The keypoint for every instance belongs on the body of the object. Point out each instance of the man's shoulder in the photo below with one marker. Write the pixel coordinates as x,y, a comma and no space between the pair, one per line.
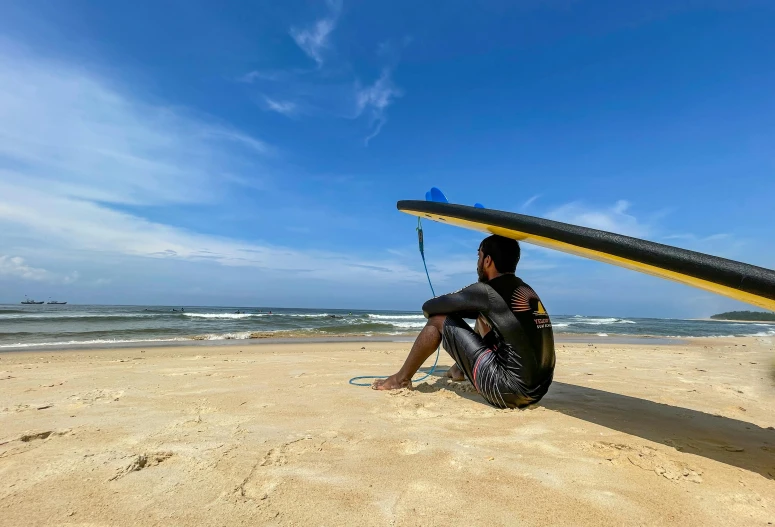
469,287
523,284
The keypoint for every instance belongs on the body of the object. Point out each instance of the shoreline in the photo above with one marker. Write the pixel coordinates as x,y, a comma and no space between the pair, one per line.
300,338
560,338
267,338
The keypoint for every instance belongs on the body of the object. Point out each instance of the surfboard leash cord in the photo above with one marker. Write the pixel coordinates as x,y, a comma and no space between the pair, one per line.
421,243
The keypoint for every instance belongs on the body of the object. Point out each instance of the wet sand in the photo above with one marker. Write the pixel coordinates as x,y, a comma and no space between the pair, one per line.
273,434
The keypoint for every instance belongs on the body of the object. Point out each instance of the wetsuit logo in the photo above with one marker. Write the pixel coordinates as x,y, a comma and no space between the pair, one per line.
541,317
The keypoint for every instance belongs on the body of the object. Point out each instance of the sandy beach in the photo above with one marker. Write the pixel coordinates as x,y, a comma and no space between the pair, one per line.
273,434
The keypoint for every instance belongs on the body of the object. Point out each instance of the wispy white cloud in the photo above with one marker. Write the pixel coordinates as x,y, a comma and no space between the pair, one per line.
73,147
529,202
259,75
287,108
17,267
612,218
74,224
333,88
313,40
375,99
71,132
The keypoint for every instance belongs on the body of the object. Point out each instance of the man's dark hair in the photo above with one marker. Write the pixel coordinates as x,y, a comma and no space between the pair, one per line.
503,251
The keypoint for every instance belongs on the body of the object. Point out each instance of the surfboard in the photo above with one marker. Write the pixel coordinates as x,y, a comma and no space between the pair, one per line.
741,281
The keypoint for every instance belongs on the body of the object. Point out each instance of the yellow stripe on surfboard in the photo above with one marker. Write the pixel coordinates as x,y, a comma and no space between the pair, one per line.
549,243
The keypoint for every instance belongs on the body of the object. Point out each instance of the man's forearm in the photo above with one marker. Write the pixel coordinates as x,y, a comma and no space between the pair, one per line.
468,303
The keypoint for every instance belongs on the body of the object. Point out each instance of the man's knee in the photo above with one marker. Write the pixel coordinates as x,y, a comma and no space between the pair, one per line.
437,321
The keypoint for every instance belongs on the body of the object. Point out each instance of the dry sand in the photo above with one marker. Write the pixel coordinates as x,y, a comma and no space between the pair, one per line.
269,434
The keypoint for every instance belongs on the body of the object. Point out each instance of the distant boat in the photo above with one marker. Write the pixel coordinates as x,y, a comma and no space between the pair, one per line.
28,301
55,302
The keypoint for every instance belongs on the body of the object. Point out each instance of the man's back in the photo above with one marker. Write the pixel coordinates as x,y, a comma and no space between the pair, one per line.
534,321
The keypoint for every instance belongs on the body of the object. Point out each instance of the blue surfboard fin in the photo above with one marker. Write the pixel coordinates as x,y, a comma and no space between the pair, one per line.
436,195
478,206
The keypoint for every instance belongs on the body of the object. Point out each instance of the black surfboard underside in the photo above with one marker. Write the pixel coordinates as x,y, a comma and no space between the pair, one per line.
748,283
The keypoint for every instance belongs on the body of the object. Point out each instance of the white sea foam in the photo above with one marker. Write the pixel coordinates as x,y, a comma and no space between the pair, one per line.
408,324
224,336
769,333
602,321
95,341
214,336
560,324
397,317
602,334
224,315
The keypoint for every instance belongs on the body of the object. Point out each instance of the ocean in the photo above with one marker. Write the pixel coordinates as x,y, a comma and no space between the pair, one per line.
33,326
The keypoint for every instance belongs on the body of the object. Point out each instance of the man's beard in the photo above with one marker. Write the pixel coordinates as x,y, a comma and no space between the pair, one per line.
480,273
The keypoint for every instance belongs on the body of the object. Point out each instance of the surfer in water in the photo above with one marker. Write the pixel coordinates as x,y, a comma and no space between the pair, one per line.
509,355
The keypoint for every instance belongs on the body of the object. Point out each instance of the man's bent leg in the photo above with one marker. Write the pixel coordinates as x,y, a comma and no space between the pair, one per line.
426,343
464,345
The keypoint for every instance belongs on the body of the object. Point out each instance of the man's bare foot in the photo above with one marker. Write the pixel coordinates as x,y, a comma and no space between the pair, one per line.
455,374
391,383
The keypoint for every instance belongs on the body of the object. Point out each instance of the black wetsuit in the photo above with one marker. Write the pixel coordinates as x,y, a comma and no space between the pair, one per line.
513,365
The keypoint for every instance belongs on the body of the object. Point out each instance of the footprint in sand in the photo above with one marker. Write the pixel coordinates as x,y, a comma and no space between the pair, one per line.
646,458
29,441
281,455
259,483
17,408
32,436
98,395
410,448
301,450
140,462
417,408
26,438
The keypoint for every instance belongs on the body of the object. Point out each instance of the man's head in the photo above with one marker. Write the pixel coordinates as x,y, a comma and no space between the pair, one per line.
497,255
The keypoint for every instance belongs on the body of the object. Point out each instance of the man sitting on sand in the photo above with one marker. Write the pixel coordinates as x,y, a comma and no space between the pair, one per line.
509,357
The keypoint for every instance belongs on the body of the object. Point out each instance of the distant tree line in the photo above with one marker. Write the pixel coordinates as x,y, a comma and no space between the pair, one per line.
745,315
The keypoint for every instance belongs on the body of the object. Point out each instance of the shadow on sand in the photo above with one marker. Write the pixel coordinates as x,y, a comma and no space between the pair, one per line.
724,439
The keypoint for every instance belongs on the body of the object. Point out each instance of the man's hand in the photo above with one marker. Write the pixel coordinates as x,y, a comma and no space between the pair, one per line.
391,383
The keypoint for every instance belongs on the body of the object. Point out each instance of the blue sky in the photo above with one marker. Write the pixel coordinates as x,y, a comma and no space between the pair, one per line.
190,153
